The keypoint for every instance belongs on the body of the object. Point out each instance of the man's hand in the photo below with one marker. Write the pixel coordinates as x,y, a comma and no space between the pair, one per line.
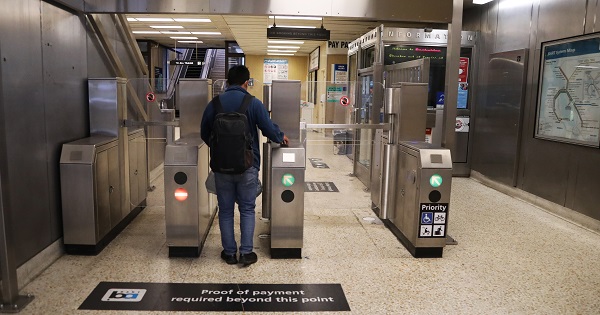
285,142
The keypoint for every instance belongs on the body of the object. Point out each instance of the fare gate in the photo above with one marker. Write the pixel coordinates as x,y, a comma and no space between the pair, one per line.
420,216
288,167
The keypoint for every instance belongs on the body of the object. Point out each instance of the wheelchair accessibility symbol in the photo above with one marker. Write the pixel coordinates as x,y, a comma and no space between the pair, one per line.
426,217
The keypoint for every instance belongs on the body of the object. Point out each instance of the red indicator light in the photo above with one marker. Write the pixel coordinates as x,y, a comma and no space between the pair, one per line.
181,194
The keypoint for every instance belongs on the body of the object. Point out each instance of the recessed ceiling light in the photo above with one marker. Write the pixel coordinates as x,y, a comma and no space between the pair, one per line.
279,54
206,33
145,32
190,41
281,51
308,18
285,42
184,37
285,47
481,1
131,19
192,20
175,33
294,26
166,26
155,19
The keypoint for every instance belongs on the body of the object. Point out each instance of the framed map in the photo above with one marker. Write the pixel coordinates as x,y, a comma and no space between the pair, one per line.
568,108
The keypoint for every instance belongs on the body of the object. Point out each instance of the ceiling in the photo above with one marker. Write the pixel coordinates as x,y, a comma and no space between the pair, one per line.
250,32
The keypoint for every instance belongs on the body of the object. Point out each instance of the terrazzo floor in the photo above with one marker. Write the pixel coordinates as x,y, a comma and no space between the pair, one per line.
511,257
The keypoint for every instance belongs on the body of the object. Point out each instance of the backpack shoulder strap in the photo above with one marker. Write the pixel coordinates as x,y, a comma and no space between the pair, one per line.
217,104
245,104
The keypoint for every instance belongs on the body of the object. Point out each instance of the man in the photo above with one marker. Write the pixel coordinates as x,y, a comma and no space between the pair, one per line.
243,187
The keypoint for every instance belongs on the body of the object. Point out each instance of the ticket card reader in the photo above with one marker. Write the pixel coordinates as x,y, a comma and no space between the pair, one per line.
287,201
420,215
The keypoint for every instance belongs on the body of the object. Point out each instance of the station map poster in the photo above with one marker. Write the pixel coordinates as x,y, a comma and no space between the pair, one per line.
568,108
275,69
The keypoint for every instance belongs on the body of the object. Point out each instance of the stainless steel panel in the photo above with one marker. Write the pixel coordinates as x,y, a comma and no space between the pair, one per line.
65,94
182,217
409,106
267,89
188,221
206,211
388,180
497,140
193,96
133,178
285,106
585,197
25,125
76,5
514,22
376,168
266,181
560,19
287,219
78,209
115,188
148,6
104,119
103,196
426,11
142,169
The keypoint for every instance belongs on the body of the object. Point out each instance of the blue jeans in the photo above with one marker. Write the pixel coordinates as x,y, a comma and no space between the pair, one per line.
241,189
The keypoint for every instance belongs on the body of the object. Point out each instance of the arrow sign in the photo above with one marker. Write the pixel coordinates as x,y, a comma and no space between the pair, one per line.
435,180
288,180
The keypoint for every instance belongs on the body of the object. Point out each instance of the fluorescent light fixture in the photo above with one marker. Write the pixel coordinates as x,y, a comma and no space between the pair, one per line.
281,51
184,37
155,19
481,1
279,54
275,41
145,32
131,19
192,20
190,41
175,33
206,33
285,47
308,18
166,26
294,26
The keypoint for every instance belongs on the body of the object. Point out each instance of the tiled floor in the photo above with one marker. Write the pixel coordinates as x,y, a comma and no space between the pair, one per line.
511,257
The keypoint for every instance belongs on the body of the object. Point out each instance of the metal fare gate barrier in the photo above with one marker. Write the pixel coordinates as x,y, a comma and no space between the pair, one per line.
411,188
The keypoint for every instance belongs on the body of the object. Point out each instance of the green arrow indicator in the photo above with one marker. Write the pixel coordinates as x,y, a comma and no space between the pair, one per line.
288,180
435,180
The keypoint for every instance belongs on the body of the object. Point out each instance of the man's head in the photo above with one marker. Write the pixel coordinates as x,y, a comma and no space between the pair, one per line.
238,75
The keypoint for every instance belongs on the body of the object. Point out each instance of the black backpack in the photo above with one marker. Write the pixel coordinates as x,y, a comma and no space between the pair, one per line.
230,140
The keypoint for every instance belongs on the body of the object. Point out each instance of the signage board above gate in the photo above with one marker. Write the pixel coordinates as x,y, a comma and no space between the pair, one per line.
416,35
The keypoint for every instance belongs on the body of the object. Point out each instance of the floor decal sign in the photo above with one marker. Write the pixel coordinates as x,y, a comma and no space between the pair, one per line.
216,297
320,187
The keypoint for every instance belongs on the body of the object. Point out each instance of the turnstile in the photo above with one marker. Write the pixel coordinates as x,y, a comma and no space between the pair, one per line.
288,165
419,218
189,208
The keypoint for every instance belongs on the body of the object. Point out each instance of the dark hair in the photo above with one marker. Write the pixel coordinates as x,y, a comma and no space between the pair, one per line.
237,75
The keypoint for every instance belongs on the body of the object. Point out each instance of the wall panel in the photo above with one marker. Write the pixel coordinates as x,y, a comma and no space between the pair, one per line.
514,22
65,94
25,124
